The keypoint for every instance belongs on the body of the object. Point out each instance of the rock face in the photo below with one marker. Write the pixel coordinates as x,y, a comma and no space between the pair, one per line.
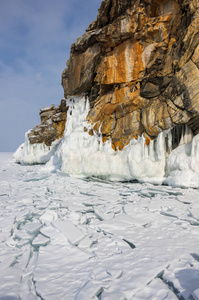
139,64
52,124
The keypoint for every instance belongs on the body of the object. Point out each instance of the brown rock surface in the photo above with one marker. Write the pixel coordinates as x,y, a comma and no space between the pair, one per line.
139,64
52,125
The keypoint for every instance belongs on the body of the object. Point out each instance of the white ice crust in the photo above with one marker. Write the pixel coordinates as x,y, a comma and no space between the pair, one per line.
183,165
29,154
80,154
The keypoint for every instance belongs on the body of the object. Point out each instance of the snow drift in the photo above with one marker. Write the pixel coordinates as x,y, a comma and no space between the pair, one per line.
172,158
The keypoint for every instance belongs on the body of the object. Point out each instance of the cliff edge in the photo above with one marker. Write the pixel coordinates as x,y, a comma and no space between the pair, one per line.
139,64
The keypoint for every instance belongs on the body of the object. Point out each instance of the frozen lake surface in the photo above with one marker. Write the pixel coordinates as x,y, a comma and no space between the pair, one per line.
68,238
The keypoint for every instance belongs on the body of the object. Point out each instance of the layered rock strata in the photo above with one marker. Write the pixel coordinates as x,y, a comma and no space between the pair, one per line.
52,125
139,64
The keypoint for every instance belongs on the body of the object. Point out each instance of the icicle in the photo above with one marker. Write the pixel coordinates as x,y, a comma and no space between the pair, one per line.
169,141
160,146
188,135
35,153
151,151
80,154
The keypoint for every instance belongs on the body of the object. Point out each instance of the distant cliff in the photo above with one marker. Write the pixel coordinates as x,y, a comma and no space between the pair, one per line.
52,125
139,64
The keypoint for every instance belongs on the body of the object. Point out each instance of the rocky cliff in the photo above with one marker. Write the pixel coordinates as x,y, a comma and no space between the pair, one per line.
52,125
139,64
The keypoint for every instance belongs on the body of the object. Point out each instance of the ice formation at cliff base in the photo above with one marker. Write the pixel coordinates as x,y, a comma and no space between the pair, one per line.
172,158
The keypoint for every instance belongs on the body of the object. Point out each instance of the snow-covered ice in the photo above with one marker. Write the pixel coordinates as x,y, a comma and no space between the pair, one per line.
69,238
72,233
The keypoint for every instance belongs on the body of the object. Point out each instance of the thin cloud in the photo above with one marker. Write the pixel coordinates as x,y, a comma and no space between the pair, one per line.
35,40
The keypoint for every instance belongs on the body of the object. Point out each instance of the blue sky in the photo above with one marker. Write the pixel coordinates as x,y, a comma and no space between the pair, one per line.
35,40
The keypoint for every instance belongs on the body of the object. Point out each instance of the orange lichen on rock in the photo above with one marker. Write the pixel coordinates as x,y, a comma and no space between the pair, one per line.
138,63
123,64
